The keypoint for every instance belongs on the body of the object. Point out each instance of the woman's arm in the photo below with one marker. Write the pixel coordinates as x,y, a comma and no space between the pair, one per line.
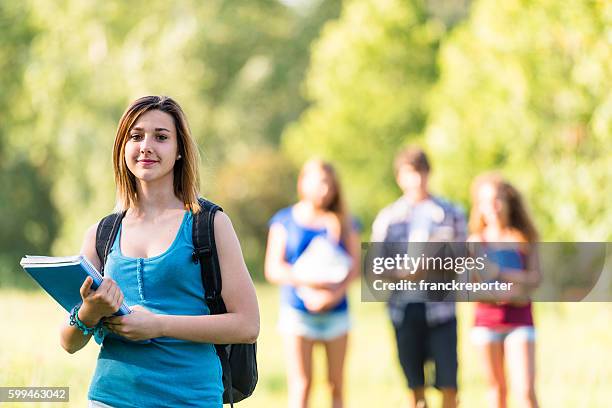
276,269
105,301
531,276
352,246
241,322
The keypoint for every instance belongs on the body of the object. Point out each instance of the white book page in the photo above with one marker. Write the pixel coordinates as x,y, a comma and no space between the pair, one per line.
50,260
322,262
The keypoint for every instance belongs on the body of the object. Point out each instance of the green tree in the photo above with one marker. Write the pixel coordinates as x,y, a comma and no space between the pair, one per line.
526,88
28,221
70,69
254,190
368,80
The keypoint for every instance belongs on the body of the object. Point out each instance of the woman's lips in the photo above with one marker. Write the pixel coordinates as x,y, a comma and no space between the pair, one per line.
147,162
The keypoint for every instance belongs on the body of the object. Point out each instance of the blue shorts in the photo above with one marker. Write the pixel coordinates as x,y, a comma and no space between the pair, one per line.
484,335
315,326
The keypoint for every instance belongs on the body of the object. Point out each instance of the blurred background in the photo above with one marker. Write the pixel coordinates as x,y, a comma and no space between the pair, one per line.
524,87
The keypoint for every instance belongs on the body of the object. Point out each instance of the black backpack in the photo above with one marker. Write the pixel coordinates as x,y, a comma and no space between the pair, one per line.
239,361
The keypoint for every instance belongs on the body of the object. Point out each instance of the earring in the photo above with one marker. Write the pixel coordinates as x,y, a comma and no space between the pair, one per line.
178,157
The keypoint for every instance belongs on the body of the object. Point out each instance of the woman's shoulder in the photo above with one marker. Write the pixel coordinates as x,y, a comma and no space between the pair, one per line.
90,234
282,216
514,235
89,245
222,222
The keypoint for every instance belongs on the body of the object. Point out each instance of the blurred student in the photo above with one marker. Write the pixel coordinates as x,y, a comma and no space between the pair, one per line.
150,267
319,314
504,330
423,331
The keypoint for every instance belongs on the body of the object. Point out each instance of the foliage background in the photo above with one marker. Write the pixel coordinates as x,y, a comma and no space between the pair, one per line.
520,86
523,87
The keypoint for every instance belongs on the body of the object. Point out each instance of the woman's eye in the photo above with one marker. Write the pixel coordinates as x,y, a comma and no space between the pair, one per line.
134,136
162,137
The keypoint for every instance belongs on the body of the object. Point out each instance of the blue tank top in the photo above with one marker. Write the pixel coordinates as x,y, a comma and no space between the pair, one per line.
166,372
506,258
298,238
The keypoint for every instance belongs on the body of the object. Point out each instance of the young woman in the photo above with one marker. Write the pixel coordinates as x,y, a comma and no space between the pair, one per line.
321,313
155,161
504,330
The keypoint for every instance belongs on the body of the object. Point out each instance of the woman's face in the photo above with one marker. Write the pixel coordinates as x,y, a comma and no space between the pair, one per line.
316,186
490,205
152,148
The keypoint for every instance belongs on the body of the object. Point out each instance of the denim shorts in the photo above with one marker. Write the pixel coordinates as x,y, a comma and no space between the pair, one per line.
483,335
315,326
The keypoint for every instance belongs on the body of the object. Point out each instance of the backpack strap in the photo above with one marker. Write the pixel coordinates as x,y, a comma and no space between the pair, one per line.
205,253
107,230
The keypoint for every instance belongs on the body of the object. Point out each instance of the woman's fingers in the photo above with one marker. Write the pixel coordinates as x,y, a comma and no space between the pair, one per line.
112,321
85,287
108,291
107,299
114,324
111,295
103,288
117,300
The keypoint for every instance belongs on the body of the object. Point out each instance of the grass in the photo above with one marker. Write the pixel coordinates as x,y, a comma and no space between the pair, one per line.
574,357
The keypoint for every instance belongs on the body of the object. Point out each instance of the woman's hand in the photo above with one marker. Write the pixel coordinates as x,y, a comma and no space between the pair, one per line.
139,325
104,301
321,300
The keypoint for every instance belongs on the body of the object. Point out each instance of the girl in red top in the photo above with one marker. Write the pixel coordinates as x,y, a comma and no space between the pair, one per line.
504,331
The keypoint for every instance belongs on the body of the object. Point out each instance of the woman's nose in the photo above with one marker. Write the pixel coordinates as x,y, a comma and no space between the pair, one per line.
145,144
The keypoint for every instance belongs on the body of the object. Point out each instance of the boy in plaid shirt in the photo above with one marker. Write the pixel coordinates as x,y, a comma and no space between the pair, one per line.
423,330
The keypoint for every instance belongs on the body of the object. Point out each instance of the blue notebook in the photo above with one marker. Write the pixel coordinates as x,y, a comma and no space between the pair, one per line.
62,278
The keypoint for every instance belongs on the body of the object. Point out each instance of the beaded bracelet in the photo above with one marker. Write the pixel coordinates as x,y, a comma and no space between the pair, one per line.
75,321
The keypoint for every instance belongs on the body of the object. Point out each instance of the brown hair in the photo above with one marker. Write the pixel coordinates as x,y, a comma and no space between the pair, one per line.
412,156
186,173
336,205
514,213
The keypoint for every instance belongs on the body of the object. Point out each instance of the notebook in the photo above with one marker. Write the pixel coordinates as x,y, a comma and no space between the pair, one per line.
322,262
62,278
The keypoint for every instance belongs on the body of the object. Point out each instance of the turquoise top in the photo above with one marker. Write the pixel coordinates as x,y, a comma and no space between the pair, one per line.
166,372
